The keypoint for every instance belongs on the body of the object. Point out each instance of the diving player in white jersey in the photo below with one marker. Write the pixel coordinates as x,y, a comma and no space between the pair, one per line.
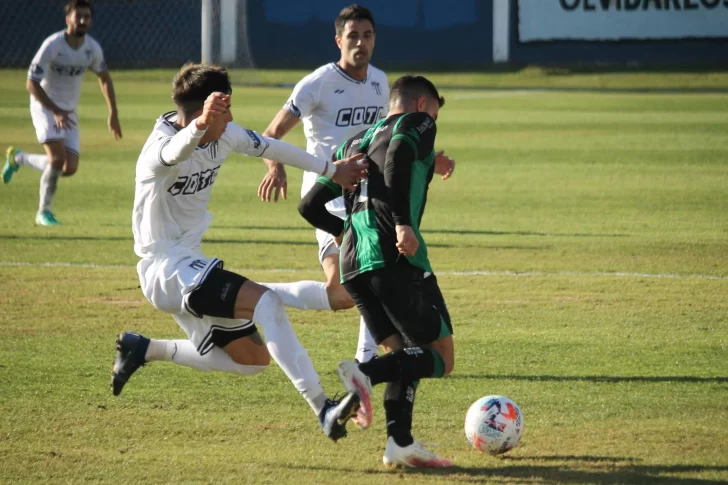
216,308
54,84
335,102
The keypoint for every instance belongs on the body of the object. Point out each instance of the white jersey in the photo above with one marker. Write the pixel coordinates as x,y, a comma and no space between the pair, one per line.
170,200
334,107
60,68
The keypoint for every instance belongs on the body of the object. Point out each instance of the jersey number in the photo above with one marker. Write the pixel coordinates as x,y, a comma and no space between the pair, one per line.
358,116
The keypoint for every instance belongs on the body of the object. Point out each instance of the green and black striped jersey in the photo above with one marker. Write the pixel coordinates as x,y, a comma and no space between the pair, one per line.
401,165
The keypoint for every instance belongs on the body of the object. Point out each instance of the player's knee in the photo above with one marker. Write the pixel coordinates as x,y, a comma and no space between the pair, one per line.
58,162
68,170
339,298
255,357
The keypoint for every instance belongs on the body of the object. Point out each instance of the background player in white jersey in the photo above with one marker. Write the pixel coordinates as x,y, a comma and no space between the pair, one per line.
335,102
216,308
54,84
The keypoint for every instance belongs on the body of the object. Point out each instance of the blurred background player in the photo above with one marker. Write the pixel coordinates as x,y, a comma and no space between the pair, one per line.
54,83
335,102
216,308
384,262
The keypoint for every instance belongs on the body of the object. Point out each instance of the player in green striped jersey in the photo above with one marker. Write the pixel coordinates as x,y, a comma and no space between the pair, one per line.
384,262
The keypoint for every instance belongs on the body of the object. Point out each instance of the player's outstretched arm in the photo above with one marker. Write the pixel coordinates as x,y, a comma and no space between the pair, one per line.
275,182
344,172
107,88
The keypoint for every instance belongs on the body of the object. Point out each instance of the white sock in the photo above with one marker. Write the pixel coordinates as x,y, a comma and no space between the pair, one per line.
304,295
366,348
33,160
183,352
287,351
48,186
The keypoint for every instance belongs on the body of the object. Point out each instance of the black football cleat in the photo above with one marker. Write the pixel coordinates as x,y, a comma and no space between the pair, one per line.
131,348
334,416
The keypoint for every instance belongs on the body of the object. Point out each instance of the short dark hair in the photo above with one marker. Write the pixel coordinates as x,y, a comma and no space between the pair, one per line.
76,4
410,87
353,12
195,82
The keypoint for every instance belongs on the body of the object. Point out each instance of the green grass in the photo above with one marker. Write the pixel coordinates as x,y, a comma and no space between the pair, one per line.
597,223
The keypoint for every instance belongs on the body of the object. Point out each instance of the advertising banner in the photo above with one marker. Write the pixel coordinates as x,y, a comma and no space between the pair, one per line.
614,20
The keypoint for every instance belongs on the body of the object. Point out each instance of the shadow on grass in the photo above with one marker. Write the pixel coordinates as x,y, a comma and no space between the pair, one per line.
617,472
276,242
720,379
462,232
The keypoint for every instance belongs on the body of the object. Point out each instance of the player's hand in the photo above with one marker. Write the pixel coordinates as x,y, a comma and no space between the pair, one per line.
350,170
115,126
444,165
339,239
275,182
215,105
407,242
63,119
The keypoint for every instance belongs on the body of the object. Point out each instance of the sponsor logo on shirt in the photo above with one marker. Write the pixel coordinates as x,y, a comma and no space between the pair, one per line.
254,138
68,70
359,116
88,54
191,184
425,125
339,91
377,88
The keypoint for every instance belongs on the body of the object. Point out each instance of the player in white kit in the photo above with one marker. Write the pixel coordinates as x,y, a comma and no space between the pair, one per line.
335,102
54,83
216,308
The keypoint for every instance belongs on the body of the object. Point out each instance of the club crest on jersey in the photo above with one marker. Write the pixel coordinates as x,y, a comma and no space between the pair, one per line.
211,149
88,54
377,88
191,184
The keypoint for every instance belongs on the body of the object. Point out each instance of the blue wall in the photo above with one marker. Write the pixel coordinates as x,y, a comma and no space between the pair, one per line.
142,33
411,35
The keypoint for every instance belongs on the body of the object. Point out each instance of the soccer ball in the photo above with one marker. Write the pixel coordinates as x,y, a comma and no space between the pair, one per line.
494,424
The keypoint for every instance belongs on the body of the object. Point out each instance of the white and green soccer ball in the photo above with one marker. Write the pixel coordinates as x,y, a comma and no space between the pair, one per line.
494,424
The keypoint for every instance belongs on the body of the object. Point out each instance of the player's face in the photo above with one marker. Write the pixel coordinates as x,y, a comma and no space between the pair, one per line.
357,42
79,21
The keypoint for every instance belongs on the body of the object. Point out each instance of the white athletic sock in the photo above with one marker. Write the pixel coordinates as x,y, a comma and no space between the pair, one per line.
366,348
287,351
33,160
48,186
304,295
183,352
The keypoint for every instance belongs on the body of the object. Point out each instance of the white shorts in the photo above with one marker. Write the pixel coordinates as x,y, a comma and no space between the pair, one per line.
326,243
46,129
167,283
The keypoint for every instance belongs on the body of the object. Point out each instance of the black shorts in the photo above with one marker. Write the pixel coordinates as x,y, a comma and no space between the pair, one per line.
215,297
400,299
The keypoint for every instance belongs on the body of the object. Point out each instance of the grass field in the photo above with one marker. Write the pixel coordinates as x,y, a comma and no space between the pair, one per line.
582,246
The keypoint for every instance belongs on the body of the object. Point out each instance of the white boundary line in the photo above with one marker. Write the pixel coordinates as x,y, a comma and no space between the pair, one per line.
620,274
